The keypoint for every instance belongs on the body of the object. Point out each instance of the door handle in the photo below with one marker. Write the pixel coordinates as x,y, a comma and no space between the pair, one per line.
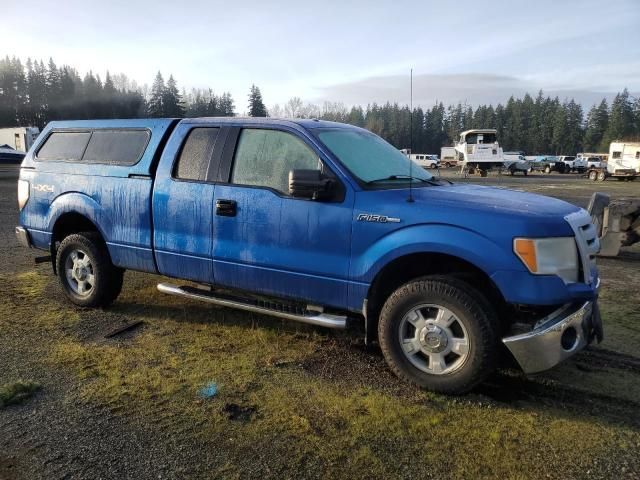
226,208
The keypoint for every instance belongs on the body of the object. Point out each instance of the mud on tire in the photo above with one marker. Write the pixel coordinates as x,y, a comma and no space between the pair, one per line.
86,274
474,318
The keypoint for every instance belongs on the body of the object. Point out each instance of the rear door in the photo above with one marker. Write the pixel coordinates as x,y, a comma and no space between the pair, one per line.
268,242
183,202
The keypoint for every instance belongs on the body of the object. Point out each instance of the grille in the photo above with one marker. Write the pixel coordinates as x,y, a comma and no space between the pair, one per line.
587,241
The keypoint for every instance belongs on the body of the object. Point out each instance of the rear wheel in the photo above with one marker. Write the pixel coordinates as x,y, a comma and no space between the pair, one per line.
593,175
601,176
440,334
84,267
547,169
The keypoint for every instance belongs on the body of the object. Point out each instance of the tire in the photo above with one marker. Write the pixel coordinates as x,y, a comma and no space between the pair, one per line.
526,172
602,176
547,169
86,274
474,321
483,173
593,175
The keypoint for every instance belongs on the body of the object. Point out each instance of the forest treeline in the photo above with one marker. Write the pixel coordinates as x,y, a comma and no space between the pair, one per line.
33,93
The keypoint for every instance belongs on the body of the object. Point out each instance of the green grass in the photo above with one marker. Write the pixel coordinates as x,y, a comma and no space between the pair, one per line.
16,392
331,415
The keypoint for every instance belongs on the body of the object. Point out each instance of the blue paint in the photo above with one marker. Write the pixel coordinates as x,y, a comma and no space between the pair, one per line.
210,390
308,250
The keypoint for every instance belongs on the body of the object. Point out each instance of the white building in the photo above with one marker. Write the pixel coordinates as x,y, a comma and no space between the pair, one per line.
19,138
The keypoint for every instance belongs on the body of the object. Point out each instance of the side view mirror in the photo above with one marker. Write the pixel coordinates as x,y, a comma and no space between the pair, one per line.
309,184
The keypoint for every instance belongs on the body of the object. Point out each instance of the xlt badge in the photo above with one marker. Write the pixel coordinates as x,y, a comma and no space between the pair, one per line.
369,217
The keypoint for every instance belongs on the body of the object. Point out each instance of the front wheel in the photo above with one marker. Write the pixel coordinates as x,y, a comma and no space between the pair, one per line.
593,175
86,273
440,334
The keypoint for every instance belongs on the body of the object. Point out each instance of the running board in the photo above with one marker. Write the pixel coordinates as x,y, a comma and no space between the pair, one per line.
312,318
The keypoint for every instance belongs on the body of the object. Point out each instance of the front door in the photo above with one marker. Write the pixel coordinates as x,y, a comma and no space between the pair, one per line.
266,241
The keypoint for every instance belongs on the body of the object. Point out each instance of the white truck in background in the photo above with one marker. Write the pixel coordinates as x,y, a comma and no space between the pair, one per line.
425,160
19,138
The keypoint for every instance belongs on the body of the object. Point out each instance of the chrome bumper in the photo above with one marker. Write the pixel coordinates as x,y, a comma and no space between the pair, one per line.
23,237
556,337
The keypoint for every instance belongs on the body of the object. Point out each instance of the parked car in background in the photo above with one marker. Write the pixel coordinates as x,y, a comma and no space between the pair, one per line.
425,160
514,162
548,164
589,157
574,164
595,162
10,155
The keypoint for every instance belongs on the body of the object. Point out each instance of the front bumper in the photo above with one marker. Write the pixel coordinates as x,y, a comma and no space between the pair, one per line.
23,237
556,337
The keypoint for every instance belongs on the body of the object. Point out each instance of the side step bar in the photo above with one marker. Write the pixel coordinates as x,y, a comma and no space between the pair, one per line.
312,318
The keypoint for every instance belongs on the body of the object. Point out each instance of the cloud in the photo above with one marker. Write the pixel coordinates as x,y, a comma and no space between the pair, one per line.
471,88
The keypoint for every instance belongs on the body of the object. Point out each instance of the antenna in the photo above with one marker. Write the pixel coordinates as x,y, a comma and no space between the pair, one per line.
410,199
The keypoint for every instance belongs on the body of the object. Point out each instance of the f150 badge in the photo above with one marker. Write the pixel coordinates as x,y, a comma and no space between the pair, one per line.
369,217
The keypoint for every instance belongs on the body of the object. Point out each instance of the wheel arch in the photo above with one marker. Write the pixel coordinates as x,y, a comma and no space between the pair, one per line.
414,265
72,213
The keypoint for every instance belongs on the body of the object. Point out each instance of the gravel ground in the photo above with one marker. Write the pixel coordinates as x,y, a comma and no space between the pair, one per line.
78,426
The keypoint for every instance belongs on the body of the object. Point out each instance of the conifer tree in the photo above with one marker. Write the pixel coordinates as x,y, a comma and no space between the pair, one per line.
256,105
155,107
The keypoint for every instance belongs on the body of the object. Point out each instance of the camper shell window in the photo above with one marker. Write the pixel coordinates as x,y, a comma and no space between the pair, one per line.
111,147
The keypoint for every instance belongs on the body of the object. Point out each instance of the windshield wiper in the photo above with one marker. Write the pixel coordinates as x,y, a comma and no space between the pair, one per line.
396,177
404,177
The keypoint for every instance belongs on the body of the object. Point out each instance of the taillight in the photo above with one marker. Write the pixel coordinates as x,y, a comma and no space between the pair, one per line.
23,193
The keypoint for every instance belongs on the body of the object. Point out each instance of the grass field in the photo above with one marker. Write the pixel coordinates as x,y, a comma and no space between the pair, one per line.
293,401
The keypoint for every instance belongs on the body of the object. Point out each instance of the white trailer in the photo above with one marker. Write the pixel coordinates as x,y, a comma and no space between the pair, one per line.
449,157
19,138
623,163
480,151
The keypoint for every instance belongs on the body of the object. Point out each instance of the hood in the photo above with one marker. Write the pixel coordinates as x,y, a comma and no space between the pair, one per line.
494,199
486,210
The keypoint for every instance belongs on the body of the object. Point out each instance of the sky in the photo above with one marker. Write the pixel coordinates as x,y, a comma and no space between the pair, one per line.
355,52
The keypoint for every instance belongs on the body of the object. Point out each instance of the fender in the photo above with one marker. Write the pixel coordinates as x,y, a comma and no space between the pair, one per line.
82,204
433,238
124,255
459,242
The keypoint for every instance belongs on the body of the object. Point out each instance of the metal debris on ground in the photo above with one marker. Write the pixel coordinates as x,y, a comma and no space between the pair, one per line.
617,222
126,328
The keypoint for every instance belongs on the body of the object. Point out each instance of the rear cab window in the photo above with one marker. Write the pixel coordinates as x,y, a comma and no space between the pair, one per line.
195,155
102,146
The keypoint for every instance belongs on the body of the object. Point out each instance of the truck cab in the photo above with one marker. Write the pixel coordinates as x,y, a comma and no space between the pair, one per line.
317,222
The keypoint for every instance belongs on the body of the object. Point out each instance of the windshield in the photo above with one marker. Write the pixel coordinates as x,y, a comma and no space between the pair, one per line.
369,157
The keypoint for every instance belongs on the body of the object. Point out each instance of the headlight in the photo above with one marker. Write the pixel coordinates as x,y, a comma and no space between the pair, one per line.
549,256
23,193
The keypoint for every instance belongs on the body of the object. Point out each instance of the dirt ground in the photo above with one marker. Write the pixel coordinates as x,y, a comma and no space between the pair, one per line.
294,401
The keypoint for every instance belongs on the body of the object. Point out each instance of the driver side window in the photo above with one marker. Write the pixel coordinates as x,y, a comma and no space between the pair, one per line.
265,157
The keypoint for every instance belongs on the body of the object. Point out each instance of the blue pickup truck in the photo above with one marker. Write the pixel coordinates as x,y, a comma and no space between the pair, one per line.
317,222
